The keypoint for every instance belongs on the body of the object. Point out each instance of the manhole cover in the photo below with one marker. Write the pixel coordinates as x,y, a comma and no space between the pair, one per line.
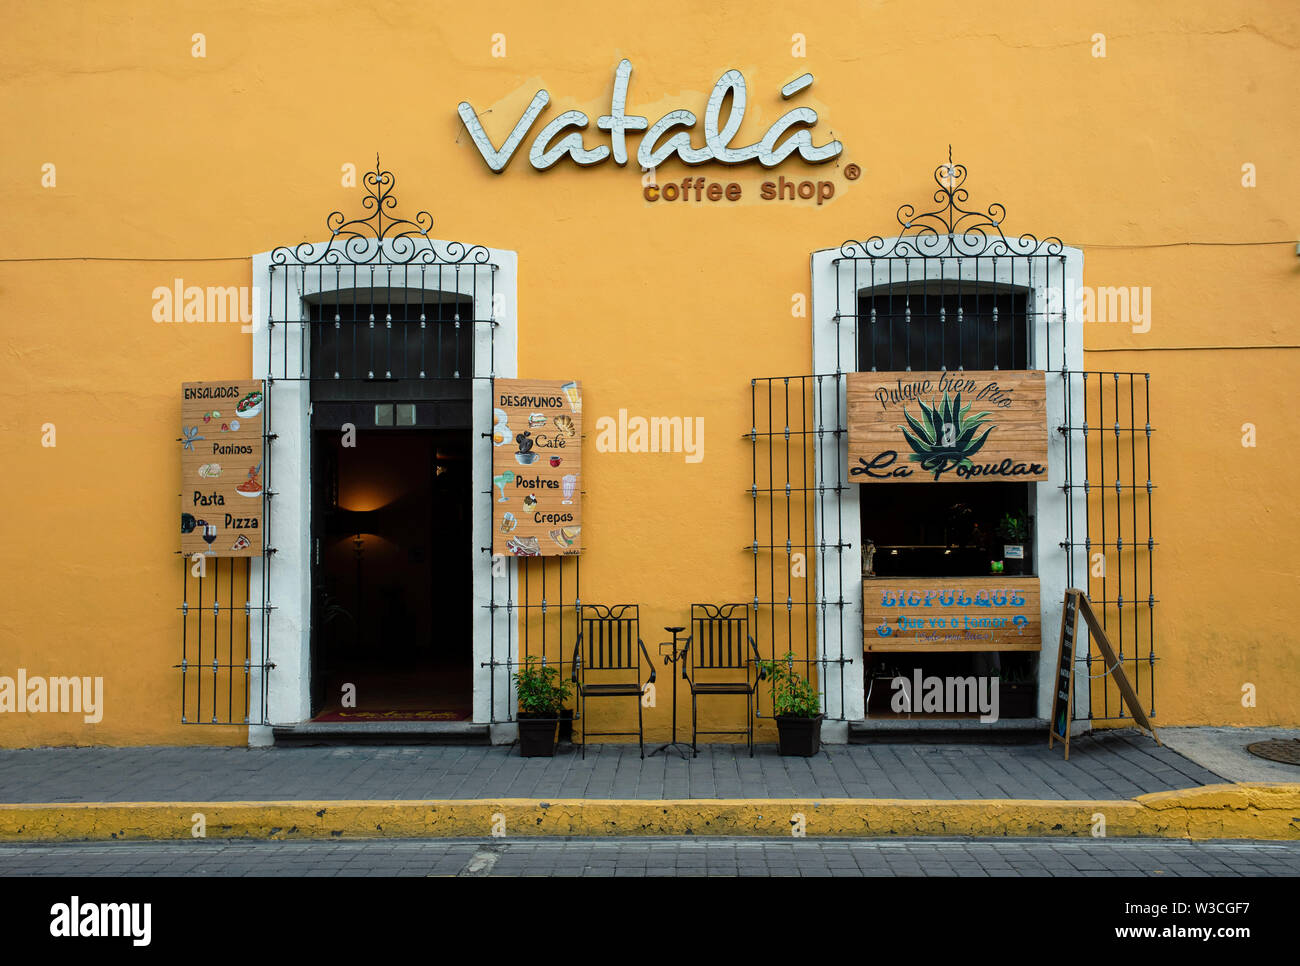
1286,751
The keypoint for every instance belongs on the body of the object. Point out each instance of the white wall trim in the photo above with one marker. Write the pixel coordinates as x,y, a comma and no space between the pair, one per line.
288,527
830,338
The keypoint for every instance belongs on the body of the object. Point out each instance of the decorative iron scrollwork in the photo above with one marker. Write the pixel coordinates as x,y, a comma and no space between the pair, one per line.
377,239
951,230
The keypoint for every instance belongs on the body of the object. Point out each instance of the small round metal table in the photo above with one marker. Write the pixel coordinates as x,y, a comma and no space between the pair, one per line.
672,656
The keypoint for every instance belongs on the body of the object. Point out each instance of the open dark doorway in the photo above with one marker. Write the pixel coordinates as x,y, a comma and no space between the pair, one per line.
391,497
393,595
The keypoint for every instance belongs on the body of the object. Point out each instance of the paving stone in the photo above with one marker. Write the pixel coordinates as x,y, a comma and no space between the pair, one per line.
1111,766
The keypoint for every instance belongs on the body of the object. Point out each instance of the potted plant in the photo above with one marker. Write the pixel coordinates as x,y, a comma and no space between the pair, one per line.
542,694
1014,530
796,706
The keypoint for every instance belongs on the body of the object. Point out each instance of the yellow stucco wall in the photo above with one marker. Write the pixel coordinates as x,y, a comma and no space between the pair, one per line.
174,166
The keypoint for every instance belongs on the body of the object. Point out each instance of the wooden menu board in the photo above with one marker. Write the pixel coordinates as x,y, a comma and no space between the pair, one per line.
951,614
536,467
982,426
222,484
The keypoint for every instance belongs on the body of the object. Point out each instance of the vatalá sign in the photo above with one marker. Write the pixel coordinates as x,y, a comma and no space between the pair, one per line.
668,136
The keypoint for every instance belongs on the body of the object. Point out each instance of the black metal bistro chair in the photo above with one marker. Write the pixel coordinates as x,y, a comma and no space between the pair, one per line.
719,653
609,640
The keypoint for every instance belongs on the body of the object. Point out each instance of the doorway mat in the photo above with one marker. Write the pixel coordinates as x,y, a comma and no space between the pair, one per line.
393,714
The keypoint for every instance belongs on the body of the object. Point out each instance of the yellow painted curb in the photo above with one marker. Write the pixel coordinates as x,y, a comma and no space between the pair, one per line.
1216,811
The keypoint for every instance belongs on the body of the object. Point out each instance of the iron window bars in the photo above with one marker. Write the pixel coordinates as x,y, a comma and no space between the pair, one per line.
218,655
405,318
951,279
1116,533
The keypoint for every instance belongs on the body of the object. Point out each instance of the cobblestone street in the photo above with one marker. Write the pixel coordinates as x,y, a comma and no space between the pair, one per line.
658,857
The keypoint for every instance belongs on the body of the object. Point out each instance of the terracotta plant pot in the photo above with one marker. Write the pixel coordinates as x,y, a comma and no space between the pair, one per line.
537,735
799,737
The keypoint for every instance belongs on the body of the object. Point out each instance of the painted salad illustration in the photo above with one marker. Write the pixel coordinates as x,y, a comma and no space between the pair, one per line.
944,437
249,406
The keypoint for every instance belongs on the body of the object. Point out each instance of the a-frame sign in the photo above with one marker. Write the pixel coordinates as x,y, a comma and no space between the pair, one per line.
1076,603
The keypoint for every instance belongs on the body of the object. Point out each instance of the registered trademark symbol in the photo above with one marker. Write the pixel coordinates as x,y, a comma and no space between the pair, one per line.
852,172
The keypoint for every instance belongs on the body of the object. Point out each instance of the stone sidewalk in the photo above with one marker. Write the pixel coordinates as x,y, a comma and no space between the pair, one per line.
1107,765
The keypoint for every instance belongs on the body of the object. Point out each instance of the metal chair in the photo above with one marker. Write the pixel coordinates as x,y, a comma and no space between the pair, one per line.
718,639
613,636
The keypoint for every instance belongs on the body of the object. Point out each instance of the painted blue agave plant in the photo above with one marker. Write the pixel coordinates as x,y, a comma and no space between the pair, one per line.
945,436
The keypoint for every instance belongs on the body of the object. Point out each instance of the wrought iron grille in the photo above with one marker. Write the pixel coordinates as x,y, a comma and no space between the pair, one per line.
380,311
792,611
225,610
541,622
380,301
951,290
223,647
383,312
1116,533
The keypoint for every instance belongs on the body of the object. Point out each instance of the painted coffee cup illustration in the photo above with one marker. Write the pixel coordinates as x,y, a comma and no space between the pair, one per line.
525,455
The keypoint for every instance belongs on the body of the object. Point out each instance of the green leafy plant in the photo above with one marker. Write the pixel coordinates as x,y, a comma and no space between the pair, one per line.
944,437
1013,527
792,693
1016,669
540,689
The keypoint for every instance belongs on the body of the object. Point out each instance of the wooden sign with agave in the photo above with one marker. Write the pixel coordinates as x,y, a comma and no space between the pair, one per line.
975,426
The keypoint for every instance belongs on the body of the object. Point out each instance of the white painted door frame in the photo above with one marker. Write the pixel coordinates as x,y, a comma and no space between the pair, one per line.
288,684
830,289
